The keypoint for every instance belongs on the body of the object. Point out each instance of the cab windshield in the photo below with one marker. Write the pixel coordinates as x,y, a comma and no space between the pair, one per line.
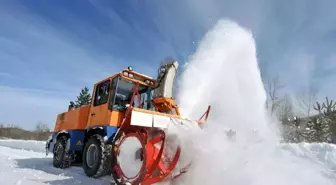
122,91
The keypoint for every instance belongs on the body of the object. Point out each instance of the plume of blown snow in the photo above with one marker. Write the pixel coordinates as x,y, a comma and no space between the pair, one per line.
224,73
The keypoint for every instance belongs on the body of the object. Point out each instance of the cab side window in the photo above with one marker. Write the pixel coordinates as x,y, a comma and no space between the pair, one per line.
102,93
113,92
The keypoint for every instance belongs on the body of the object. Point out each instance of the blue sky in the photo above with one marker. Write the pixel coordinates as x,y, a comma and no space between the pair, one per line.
50,49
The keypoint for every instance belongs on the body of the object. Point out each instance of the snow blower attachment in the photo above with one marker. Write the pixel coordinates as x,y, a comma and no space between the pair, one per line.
147,128
138,145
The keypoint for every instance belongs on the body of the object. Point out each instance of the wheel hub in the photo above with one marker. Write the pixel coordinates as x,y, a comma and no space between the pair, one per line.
92,155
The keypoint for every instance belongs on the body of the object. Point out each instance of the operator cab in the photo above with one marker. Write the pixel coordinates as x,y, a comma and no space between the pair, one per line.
122,91
117,91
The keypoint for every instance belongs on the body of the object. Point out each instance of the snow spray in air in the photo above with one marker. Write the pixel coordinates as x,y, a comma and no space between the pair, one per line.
224,73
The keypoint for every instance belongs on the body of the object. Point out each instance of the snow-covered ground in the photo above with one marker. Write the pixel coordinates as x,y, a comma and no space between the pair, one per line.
31,145
322,154
25,163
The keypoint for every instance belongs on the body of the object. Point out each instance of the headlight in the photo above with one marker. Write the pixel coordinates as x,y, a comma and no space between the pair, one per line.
125,73
147,82
130,75
152,83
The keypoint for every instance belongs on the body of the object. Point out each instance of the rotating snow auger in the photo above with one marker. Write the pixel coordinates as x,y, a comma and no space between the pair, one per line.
148,128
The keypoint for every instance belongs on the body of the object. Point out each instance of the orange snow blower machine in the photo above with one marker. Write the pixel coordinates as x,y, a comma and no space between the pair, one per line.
123,131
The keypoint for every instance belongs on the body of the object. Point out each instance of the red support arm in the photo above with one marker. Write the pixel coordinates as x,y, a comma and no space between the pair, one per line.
129,109
206,114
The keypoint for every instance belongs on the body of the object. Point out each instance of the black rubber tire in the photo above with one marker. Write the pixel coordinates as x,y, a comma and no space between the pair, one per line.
63,161
101,166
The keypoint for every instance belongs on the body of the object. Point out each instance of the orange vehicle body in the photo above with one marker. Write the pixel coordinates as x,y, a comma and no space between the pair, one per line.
72,120
90,116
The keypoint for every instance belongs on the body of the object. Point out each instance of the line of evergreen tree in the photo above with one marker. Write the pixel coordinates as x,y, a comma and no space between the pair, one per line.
318,128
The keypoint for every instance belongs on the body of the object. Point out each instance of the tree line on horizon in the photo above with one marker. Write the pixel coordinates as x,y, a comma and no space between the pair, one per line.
302,117
41,131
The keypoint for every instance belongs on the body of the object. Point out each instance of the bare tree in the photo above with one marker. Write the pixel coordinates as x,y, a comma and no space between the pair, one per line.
272,88
2,130
306,100
42,130
262,70
285,109
41,127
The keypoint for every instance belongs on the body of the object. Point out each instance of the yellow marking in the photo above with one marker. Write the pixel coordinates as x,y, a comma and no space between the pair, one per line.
79,143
